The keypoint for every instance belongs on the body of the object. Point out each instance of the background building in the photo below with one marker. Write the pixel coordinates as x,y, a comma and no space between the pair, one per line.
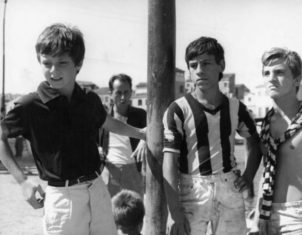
258,102
139,95
241,91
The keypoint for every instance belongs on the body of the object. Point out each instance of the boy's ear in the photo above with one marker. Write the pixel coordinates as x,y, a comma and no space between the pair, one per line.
298,80
79,66
222,65
38,57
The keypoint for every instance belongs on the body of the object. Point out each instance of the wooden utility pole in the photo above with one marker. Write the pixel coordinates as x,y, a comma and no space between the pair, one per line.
161,73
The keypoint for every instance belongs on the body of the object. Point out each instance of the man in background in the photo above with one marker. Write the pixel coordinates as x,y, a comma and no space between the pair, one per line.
123,170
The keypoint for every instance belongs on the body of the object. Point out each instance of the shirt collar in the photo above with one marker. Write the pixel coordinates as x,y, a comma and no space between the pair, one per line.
47,93
223,103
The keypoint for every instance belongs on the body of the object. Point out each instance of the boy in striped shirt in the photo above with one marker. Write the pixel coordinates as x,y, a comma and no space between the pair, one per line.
202,183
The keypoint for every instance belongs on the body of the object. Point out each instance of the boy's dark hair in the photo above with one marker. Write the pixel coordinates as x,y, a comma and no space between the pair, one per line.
58,39
128,210
204,45
121,77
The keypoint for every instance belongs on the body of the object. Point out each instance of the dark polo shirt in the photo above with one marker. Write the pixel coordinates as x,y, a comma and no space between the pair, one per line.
63,135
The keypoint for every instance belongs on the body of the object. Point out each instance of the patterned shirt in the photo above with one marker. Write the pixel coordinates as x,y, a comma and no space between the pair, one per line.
204,138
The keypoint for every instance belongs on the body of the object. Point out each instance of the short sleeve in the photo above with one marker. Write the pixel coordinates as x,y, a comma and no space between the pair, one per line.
14,123
173,131
101,113
246,124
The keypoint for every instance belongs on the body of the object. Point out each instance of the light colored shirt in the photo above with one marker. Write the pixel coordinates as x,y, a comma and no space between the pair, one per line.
119,150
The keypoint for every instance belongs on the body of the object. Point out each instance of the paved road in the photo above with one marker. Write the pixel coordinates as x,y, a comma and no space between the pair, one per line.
17,217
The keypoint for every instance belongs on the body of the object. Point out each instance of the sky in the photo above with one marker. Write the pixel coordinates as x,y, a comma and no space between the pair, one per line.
116,35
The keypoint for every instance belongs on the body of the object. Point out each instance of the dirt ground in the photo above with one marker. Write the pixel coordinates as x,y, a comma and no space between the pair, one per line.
18,218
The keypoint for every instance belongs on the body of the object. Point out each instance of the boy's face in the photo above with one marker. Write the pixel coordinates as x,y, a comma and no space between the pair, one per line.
204,71
121,93
279,80
60,71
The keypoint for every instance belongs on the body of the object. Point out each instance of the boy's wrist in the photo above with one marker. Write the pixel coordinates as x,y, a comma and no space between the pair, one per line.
247,177
21,179
143,134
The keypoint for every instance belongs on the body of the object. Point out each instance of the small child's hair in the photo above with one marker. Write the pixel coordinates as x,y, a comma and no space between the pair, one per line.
58,39
128,210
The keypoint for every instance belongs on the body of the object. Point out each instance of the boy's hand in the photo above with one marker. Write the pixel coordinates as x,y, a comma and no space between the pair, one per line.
242,183
30,191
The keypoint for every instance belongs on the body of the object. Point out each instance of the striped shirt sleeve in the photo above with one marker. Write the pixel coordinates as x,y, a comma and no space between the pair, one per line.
246,124
173,128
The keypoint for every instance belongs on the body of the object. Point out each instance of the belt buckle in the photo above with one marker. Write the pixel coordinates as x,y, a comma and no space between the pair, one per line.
81,179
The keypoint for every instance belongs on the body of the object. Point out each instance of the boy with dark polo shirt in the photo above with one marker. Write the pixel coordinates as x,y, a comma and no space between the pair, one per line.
61,121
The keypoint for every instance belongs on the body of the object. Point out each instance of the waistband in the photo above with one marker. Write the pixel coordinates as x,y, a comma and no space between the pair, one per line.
120,165
210,178
81,179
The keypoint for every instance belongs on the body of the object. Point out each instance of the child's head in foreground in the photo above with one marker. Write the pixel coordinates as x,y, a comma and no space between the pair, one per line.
128,212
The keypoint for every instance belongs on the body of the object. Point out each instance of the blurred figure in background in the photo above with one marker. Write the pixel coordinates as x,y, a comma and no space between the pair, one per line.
123,155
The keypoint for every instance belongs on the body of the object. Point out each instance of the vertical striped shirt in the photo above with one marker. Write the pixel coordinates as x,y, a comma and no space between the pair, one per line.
204,138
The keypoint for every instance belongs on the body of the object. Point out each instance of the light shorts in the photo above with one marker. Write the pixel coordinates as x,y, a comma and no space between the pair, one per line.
81,209
286,218
214,199
123,176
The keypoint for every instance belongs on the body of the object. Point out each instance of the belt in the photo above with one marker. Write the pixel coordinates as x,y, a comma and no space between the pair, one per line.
71,182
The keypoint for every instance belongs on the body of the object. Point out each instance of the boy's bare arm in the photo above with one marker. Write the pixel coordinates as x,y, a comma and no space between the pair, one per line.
254,156
118,127
29,189
9,161
171,182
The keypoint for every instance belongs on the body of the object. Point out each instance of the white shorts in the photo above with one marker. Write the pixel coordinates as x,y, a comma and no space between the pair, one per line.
214,199
81,209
